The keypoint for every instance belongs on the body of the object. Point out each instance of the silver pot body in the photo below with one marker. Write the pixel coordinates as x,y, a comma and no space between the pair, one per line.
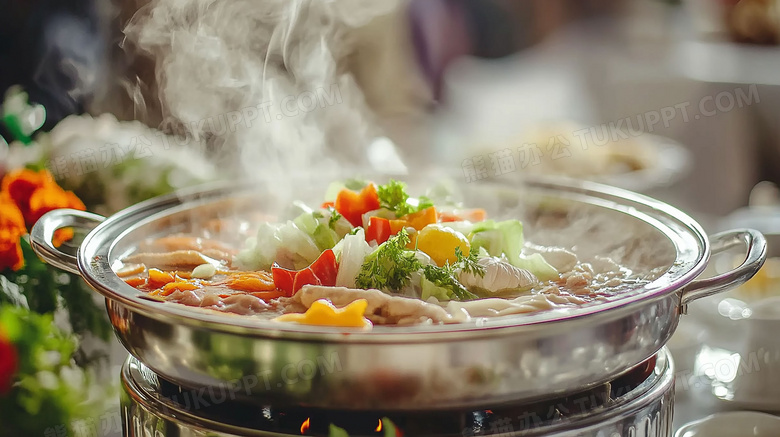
645,411
482,362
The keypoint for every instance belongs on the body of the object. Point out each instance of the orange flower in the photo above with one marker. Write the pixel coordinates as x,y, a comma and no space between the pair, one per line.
51,197
10,250
27,195
20,185
10,215
61,236
11,230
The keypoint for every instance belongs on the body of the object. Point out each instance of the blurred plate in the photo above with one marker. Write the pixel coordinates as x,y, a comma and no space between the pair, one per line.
733,424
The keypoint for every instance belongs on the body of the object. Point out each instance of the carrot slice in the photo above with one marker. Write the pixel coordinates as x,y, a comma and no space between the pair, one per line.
135,282
177,286
251,282
158,278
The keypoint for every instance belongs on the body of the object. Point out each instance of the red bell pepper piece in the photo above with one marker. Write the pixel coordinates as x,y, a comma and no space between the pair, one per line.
305,277
284,279
378,230
326,268
353,205
322,271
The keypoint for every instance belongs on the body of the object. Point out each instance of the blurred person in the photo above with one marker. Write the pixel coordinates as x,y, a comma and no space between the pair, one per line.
445,30
54,49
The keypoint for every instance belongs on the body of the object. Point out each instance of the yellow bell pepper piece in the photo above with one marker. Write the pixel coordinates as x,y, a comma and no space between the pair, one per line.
323,313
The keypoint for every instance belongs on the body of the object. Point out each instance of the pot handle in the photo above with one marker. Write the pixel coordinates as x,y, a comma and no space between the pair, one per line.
755,244
42,235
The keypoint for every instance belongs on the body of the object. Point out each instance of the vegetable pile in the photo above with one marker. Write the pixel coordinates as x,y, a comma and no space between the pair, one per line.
369,236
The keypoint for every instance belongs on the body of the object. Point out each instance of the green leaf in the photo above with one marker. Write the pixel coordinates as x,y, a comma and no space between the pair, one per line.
389,427
41,397
335,431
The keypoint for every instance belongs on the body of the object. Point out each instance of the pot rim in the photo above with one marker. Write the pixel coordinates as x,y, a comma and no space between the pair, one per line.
687,237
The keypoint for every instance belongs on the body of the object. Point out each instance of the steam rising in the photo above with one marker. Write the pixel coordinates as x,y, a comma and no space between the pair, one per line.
221,64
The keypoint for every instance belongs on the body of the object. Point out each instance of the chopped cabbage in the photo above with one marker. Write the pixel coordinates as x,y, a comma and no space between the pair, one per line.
537,265
506,238
430,289
260,252
353,252
263,250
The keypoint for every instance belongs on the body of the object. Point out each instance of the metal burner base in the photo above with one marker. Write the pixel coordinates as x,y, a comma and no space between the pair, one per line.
627,407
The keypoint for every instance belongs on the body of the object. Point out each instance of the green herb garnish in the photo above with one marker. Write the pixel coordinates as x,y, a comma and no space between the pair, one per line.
424,202
393,196
444,277
468,264
334,217
390,266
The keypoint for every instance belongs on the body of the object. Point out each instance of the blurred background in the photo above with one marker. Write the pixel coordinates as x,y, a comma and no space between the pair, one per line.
678,99
458,79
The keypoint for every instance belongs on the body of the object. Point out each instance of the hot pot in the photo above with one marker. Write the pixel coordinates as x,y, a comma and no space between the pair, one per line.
481,362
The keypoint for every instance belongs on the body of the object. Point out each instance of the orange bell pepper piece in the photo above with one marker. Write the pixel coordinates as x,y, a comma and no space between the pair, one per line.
421,219
353,205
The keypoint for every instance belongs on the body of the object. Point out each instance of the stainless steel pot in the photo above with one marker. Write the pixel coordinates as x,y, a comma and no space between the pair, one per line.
485,361
644,409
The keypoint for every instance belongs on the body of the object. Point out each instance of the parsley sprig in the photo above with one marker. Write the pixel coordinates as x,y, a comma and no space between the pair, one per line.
468,264
390,266
446,277
393,196
334,217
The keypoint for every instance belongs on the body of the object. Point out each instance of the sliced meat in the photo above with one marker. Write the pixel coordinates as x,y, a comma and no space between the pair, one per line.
172,260
493,307
131,270
212,298
499,276
192,298
382,308
183,242
244,304
578,280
